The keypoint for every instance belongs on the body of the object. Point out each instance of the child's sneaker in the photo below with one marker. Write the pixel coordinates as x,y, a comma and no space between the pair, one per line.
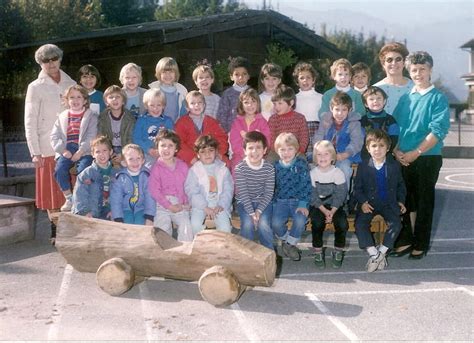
291,251
376,262
67,206
337,258
319,260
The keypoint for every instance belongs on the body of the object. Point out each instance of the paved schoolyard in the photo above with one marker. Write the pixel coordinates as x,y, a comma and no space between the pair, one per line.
42,298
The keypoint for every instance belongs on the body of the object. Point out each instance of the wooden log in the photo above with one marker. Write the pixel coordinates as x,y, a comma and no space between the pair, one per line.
219,286
115,276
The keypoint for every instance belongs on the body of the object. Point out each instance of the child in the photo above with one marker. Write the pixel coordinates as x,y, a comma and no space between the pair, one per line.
308,101
248,119
329,195
268,81
341,72
167,74
195,124
91,192
378,189
342,128
167,179
116,122
130,199
209,187
131,79
292,194
70,139
361,76
254,186
374,99
89,78
239,73
203,77
286,119
148,125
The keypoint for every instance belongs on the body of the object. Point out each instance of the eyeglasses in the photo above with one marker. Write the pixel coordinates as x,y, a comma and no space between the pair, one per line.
396,59
52,59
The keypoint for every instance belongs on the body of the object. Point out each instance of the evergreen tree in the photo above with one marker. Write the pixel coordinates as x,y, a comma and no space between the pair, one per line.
175,9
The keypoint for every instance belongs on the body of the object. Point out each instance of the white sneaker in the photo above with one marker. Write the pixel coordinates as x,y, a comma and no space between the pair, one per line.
376,262
67,206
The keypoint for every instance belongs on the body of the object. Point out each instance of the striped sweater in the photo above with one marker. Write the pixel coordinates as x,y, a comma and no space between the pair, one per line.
293,122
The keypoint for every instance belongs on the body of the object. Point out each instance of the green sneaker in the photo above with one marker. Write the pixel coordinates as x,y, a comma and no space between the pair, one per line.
319,260
337,258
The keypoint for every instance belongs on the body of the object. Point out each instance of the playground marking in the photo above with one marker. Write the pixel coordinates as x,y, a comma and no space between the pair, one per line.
244,323
399,291
147,312
58,305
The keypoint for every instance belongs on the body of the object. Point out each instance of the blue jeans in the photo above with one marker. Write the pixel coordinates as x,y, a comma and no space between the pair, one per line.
264,228
63,164
282,210
346,167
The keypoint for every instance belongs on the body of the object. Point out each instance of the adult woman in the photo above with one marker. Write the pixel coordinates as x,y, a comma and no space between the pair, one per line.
423,117
42,105
392,56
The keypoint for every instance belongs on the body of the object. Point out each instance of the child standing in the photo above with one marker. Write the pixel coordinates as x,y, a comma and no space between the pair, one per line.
292,194
131,79
167,179
268,81
254,186
167,74
341,73
148,125
379,189
286,119
209,187
239,73
342,128
195,124
361,76
70,139
248,119
308,101
203,77
130,199
329,195
89,78
92,189
375,99
116,122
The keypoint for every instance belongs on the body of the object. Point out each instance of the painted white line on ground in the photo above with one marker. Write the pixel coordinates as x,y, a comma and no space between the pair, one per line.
451,176
150,326
324,310
58,305
468,291
398,291
244,323
450,169
452,239
454,186
364,255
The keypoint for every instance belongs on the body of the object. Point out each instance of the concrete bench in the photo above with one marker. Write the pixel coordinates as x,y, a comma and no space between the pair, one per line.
17,219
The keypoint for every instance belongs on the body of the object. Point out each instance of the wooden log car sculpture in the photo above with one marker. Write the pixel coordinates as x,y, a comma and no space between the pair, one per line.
123,254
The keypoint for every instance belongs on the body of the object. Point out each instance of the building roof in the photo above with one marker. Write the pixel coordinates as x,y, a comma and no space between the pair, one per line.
469,44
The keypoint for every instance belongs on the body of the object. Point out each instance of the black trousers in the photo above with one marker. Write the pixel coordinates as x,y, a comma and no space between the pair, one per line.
318,224
420,179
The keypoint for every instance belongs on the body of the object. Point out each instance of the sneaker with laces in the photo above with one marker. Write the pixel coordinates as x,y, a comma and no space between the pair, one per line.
291,251
319,260
378,262
67,206
337,258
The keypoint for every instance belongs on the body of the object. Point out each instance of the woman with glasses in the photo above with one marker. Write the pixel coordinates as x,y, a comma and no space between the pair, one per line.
42,105
392,57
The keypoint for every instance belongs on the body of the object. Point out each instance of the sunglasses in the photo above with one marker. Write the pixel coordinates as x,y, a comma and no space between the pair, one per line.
396,59
52,59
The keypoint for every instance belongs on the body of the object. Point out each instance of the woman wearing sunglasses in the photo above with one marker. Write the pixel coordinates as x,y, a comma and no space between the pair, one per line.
42,105
392,57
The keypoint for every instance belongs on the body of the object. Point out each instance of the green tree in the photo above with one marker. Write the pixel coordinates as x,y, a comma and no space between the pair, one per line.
14,29
126,12
174,9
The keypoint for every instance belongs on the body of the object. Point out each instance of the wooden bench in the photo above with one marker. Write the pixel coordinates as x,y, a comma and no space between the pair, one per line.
17,219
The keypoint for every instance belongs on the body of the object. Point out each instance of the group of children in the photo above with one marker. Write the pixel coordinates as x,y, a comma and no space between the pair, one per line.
165,155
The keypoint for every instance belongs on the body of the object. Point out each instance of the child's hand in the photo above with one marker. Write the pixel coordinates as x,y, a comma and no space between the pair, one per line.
89,215
109,215
186,207
176,208
67,154
148,222
403,209
342,156
76,156
242,133
218,209
153,153
366,207
303,210
116,158
256,217
87,181
210,212
194,160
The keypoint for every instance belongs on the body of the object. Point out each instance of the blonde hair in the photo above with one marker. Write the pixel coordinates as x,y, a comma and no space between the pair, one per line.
201,70
80,89
194,94
164,64
154,93
341,63
127,148
287,138
115,89
130,67
249,93
101,140
324,145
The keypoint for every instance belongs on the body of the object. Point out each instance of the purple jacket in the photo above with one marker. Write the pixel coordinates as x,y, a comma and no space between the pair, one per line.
166,181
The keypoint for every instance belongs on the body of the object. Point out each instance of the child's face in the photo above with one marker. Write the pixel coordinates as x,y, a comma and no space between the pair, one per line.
270,83
240,76
393,63
101,153
254,151
207,155
287,152
88,81
114,101
155,107
339,113
249,105
168,77
323,158
305,80
196,106
134,160
342,77
360,79
377,150
131,80
282,107
421,75
204,81
375,102
167,150
75,100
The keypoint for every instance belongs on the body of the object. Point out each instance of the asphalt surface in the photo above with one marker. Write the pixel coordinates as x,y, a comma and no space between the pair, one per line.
42,298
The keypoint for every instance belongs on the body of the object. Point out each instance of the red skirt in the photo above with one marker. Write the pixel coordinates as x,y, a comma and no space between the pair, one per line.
48,194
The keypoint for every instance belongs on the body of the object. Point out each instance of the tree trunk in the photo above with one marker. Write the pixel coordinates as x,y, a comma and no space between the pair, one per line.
219,286
115,276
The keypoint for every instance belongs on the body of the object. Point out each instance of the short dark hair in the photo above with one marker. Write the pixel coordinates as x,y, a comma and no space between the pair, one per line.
419,57
377,135
371,90
340,98
89,69
361,66
101,140
168,134
238,62
284,93
269,69
254,137
206,141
